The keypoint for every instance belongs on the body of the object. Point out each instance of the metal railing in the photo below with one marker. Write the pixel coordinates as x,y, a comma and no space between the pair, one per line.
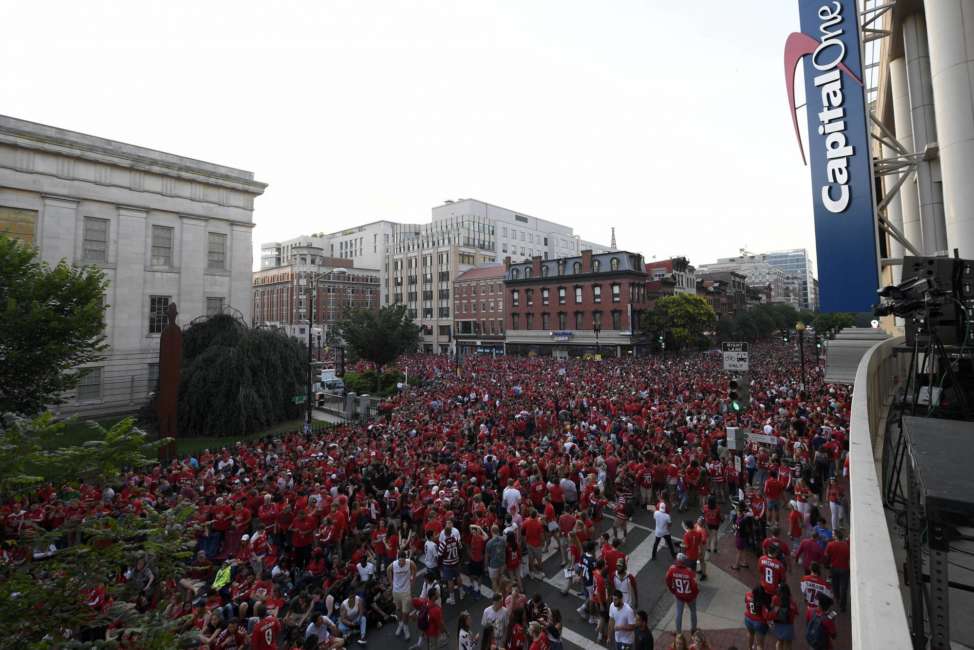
878,613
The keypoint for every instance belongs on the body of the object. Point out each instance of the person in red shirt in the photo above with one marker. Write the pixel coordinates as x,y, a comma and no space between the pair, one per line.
826,620
267,631
837,556
230,638
533,531
795,525
771,571
781,617
600,600
756,604
693,543
434,620
681,580
712,516
773,488
813,586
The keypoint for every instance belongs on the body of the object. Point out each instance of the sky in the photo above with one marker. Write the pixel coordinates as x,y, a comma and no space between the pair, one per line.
666,119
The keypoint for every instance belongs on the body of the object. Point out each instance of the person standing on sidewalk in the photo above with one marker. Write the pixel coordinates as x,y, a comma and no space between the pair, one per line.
712,515
495,553
429,620
401,575
643,635
622,623
662,530
681,580
837,555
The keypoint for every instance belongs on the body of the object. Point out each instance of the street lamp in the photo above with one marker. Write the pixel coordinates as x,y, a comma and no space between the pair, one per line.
800,328
596,327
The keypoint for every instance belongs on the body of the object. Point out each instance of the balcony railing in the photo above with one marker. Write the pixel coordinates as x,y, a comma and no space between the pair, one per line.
878,614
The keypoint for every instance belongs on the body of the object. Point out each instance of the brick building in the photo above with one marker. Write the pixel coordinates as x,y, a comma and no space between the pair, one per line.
478,310
726,291
280,293
668,277
575,306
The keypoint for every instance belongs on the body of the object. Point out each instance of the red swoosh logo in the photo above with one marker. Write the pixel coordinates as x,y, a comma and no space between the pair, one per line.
797,46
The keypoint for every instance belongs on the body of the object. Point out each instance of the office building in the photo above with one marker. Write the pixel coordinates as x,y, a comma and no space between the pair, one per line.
163,228
573,306
760,274
799,268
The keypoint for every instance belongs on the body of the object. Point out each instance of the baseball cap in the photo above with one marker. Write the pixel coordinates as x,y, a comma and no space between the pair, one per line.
681,557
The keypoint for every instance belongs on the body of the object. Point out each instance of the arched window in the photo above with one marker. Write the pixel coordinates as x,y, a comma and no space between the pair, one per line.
614,264
561,267
515,274
596,265
544,271
527,272
577,268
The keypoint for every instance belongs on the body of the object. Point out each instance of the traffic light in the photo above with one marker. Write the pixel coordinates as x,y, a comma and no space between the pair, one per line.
734,395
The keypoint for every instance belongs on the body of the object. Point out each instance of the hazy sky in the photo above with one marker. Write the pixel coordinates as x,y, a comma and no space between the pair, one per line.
665,119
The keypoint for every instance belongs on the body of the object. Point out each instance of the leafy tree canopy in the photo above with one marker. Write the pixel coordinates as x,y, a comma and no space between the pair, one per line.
51,322
380,337
683,317
238,380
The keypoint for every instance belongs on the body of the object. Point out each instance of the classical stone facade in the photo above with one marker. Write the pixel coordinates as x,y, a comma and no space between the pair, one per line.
164,228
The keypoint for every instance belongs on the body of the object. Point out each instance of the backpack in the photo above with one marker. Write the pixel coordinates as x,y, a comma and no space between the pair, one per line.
423,619
815,634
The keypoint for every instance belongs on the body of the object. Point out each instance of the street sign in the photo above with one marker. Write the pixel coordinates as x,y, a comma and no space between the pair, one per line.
299,399
762,439
736,355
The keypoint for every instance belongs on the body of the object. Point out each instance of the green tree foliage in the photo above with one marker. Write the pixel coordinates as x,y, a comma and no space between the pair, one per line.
42,600
380,337
684,318
828,323
372,383
51,322
238,380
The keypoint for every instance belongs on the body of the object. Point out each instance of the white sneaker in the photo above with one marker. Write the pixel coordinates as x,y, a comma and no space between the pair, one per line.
406,636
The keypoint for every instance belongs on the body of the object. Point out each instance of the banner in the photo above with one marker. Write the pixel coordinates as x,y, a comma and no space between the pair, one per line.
838,151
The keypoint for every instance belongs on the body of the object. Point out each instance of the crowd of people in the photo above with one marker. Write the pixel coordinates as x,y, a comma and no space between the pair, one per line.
464,482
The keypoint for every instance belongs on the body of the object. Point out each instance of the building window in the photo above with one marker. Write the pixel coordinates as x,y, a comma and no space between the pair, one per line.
544,296
152,381
596,293
614,264
516,298
579,320
616,292
515,274
578,295
561,265
561,295
529,296
616,319
545,321
162,238
527,272
216,251
95,243
214,306
597,319
157,313
89,388
577,268
544,271
596,266
562,320
529,321
515,321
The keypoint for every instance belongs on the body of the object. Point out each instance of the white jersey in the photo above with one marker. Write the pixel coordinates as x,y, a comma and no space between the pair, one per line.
402,577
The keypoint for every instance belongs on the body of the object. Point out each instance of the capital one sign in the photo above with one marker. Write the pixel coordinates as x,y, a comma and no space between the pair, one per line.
838,156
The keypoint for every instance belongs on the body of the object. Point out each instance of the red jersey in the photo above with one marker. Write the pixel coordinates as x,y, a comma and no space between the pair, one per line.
753,611
435,627
682,583
812,587
837,553
828,624
533,532
266,634
693,541
771,572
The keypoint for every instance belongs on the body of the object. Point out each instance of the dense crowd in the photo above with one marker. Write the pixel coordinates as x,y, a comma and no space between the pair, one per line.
462,484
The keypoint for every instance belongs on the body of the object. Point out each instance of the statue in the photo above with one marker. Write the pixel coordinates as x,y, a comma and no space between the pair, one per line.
170,367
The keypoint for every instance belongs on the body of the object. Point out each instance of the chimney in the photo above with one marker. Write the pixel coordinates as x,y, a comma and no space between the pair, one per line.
536,266
587,261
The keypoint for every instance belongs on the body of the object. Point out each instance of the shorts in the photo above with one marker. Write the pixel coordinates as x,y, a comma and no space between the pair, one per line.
713,526
535,552
494,574
755,627
475,568
553,526
774,504
449,572
784,631
403,601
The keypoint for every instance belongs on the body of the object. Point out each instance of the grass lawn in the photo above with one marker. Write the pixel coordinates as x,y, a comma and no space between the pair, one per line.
78,431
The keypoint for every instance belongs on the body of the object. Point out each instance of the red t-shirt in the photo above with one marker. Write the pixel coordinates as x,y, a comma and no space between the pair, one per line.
534,532
828,624
753,611
265,634
692,543
773,488
837,554
435,627
771,572
682,583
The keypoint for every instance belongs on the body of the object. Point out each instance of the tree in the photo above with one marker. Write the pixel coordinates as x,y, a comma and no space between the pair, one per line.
380,337
237,380
828,323
43,601
685,318
51,322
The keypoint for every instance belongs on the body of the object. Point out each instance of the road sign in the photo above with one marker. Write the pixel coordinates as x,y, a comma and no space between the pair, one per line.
299,399
736,355
762,439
